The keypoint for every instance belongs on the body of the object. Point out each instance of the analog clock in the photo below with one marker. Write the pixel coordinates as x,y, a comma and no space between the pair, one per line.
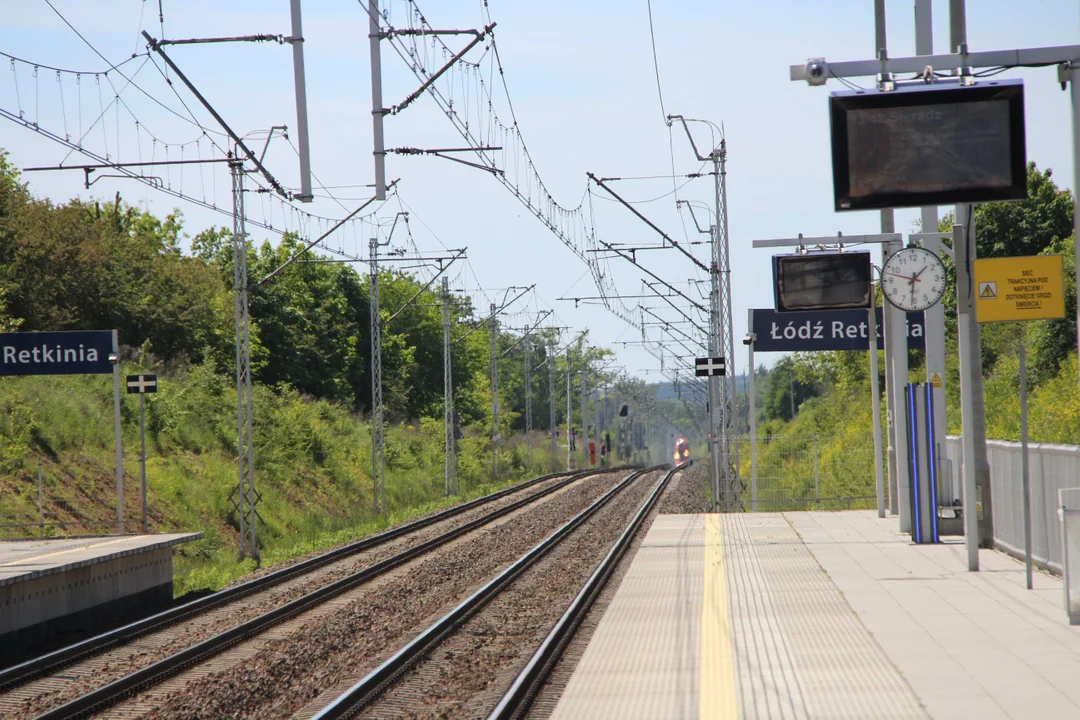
913,279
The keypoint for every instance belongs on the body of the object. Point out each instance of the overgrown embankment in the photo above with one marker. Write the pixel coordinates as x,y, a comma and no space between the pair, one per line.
312,466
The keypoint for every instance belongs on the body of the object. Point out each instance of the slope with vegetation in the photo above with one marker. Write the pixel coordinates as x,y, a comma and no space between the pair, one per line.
102,265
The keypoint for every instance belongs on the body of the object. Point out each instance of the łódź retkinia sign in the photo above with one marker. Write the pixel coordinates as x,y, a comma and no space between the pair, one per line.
80,352
825,330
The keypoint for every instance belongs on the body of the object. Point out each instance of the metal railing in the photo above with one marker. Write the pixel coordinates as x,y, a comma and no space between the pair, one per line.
1051,467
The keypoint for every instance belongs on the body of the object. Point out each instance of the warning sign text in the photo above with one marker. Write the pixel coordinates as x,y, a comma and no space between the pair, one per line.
1019,288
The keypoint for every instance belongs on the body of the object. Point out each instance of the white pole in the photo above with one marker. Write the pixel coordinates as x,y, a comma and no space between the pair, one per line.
875,408
301,101
964,312
753,417
40,497
934,323
888,225
1026,474
116,427
899,349
377,113
1074,92
142,457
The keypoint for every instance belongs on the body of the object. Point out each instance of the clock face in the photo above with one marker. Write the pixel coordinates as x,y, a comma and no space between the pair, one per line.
913,279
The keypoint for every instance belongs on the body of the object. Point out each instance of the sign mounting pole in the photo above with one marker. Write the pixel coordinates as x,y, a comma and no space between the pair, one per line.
115,358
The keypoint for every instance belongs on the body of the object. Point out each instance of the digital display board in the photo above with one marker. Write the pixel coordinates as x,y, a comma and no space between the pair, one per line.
822,281
928,145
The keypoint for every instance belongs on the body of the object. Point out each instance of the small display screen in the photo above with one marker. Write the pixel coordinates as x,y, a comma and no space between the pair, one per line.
822,281
928,146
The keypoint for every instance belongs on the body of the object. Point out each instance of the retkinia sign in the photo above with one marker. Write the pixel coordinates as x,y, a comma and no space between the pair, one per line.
81,352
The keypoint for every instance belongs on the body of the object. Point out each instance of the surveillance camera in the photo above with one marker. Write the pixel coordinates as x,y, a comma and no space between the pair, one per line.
749,338
817,71
114,358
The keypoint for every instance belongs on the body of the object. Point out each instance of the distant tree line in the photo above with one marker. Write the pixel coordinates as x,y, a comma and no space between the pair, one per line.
103,265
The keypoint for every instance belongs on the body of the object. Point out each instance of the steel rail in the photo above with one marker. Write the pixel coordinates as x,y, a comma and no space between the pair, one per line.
111,693
519,698
356,698
17,675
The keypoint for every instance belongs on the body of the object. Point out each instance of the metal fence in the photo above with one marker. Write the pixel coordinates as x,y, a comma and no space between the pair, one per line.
43,495
810,473
1051,468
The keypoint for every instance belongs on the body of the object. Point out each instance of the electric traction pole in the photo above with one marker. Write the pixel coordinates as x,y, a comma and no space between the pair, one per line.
551,403
450,464
528,395
727,489
246,495
569,413
584,412
495,437
378,467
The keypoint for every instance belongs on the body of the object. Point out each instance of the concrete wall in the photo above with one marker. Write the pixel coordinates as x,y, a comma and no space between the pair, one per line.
1051,468
58,608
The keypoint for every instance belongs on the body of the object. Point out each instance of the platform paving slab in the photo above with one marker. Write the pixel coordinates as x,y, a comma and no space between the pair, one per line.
969,644
824,615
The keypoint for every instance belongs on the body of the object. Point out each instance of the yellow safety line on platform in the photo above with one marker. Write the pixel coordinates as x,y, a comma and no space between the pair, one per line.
716,683
29,558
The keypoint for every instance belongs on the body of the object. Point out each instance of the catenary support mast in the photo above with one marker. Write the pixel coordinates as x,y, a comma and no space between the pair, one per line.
378,466
450,462
246,495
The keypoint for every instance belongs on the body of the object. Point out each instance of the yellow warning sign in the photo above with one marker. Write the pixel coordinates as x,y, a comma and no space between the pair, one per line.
935,380
1019,288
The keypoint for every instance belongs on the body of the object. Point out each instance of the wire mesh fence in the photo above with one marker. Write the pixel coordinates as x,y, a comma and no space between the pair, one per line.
41,500
807,473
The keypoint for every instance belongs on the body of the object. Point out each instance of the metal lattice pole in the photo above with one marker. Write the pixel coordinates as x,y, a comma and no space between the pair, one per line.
246,496
722,258
584,412
494,393
378,467
551,403
569,414
528,396
450,469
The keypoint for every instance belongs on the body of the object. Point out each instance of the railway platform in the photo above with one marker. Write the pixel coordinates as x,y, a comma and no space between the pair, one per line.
823,615
54,591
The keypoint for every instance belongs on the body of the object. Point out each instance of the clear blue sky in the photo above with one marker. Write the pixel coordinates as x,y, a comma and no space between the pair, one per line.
582,81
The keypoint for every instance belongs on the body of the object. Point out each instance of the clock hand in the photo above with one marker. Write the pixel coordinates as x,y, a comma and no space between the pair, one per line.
905,277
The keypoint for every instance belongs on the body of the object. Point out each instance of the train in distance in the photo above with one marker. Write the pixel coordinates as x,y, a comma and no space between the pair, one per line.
682,450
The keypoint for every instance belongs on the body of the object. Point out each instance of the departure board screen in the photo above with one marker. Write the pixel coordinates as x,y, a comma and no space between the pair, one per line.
933,147
822,281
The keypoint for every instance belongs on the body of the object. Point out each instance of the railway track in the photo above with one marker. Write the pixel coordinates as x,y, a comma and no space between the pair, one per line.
458,666
86,677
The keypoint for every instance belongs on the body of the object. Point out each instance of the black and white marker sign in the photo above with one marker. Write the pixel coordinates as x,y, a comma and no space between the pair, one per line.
139,384
704,367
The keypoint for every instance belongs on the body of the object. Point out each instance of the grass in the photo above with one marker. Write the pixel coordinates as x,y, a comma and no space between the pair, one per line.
312,466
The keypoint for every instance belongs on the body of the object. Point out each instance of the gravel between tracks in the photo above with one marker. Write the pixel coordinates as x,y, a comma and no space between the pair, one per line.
688,492
78,679
379,618
678,492
468,673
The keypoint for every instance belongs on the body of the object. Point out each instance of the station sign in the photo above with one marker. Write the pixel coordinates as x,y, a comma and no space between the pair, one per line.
1019,288
79,352
826,330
